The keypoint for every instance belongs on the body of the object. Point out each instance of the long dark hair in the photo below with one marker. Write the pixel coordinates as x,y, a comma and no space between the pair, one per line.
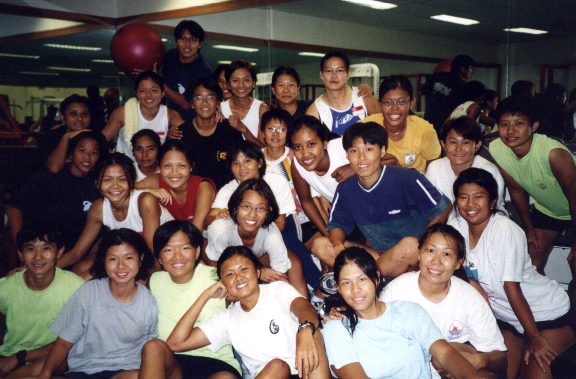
365,262
449,233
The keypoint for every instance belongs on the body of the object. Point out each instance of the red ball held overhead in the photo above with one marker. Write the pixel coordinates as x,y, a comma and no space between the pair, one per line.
136,47
443,66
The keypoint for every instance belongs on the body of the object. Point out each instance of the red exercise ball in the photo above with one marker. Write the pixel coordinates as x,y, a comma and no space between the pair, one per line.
112,95
443,66
136,47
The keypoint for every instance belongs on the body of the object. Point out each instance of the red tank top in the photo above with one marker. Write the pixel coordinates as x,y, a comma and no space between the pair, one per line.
185,211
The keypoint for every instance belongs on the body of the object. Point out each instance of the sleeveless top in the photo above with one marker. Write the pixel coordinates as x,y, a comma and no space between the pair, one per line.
338,121
159,124
133,220
252,118
184,211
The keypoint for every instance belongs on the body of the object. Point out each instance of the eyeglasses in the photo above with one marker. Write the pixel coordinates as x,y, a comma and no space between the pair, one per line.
190,39
200,99
336,70
248,209
273,129
400,102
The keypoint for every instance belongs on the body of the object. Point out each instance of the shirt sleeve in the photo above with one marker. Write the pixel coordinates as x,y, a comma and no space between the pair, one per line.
222,197
424,197
340,215
276,249
484,333
218,236
215,329
339,344
285,293
431,148
69,324
509,249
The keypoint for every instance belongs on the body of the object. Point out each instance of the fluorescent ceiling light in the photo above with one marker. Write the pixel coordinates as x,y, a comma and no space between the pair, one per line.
39,73
372,4
228,62
227,47
19,56
69,69
309,54
455,20
164,40
103,60
71,47
526,30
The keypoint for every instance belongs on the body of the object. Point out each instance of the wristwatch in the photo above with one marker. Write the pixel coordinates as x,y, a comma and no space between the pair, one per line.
305,324
21,357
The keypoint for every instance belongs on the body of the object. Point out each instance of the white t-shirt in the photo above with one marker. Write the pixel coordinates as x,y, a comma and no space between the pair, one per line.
133,219
159,124
325,185
267,332
441,175
223,233
463,315
277,184
252,118
140,175
501,255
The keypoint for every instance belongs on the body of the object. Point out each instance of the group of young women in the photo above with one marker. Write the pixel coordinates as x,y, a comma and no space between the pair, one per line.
261,204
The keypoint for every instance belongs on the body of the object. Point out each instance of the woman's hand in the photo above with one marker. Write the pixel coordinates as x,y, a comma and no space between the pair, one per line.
325,204
268,275
161,194
219,116
217,291
343,173
541,350
224,213
237,124
334,314
364,90
175,133
532,239
14,271
307,357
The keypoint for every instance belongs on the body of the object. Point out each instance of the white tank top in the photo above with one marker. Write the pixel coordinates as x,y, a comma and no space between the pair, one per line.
133,220
252,118
159,124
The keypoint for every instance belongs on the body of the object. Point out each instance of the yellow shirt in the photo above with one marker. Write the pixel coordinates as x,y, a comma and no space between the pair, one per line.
420,142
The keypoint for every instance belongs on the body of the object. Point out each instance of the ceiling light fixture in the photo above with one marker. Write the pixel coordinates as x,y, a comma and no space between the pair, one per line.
310,54
372,4
71,47
228,62
103,60
526,30
19,56
69,69
455,20
39,73
238,48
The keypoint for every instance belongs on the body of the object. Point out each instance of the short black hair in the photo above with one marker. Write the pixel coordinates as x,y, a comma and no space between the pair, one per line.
89,134
335,54
149,75
168,229
40,233
483,178
260,186
370,132
312,123
218,71
207,82
230,251
282,70
250,150
121,160
237,65
463,126
555,90
473,90
516,105
192,26
275,114
522,88
461,61
118,237
148,133
74,98
489,95
393,82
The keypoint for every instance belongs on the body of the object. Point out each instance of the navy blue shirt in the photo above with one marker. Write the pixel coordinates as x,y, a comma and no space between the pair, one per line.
178,76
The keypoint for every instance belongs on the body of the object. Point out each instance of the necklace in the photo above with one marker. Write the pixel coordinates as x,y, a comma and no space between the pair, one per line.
394,134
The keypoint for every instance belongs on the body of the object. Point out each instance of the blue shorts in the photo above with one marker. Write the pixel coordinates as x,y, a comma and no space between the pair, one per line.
96,375
194,367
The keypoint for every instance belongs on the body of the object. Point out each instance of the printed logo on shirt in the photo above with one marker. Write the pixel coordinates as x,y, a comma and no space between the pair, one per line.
274,329
455,330
221,155
86,205
442,89
345,119
409,158
542,185
358,111
181,89
471,271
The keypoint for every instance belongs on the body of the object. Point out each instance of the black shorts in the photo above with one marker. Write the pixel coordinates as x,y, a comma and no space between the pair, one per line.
194,367
545,222
96,375
558,323
356,235
308,230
